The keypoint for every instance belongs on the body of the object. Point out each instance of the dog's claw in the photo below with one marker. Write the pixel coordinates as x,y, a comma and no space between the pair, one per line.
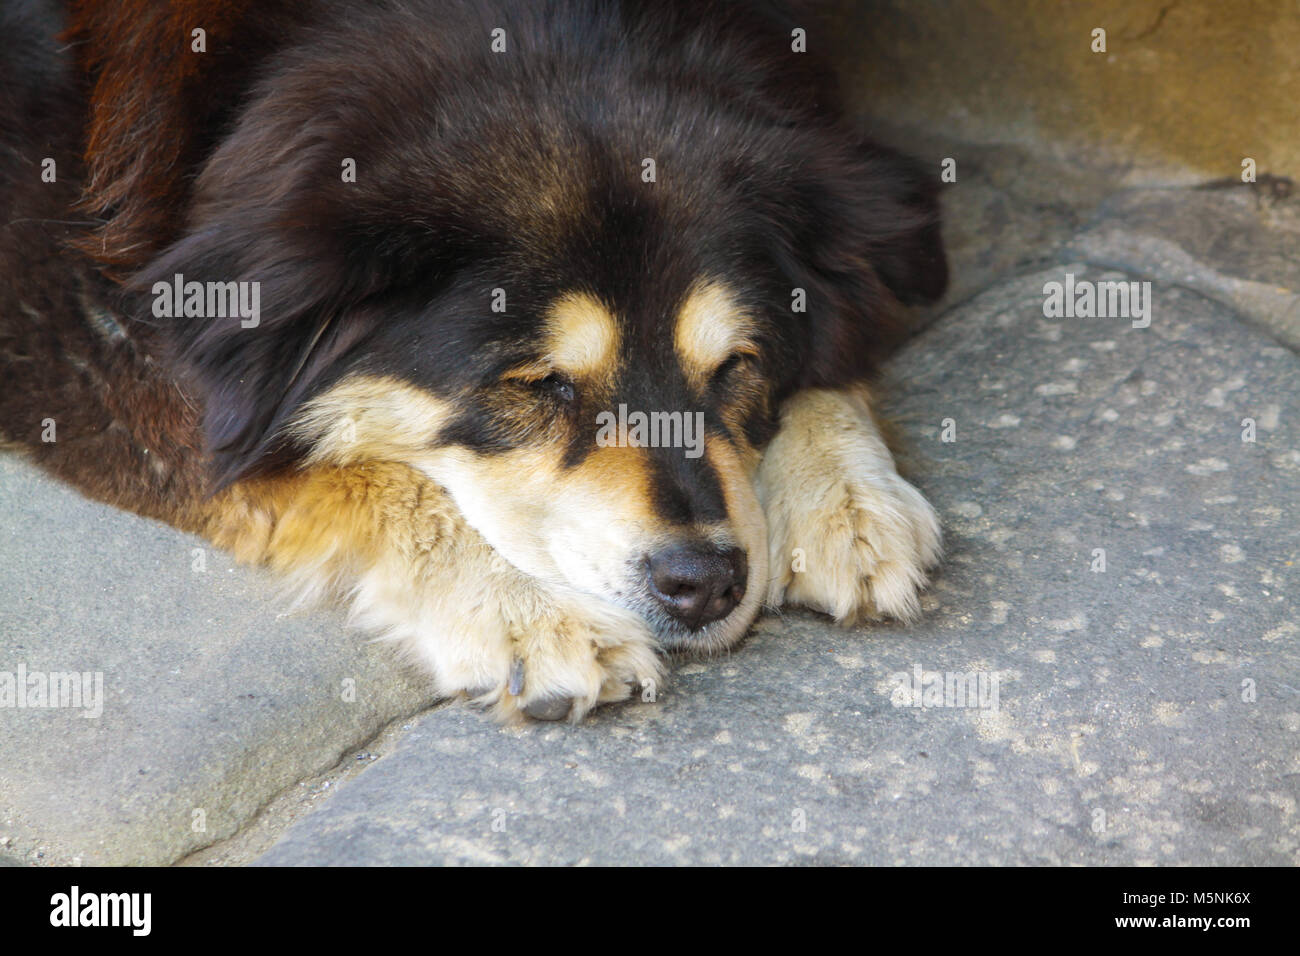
516,685
549,708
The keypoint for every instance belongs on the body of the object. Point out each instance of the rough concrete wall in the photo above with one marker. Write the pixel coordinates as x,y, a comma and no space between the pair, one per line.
1184,91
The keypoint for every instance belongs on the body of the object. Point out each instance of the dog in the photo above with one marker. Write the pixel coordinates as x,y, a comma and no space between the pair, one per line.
539,334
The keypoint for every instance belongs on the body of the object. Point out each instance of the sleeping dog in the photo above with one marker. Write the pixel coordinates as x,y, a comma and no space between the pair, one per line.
536,333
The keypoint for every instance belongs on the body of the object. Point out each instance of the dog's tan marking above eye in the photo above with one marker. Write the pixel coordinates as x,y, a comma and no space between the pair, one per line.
581,337
711,327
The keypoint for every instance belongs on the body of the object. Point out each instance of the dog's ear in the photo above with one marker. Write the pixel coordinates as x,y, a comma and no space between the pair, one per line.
313,256
909,256
865,243
313,271
331,259
162,79
272,319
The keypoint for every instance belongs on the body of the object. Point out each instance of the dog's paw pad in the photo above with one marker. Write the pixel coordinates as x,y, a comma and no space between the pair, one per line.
549,708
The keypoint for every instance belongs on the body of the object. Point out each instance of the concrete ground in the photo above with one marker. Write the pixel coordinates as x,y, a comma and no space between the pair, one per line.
1120,588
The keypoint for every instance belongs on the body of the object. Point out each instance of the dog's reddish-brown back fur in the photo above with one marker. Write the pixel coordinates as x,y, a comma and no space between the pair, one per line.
118,108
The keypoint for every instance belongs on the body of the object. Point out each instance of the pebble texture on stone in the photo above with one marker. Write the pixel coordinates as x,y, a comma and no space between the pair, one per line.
213,699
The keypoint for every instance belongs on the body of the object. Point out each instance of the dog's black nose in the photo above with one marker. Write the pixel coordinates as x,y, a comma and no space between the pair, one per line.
698,586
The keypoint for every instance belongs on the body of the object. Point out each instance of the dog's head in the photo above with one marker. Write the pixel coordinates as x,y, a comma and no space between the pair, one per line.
573,293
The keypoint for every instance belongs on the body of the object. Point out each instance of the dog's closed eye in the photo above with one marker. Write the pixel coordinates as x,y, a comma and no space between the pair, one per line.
560,386
544,380
734,369
724,371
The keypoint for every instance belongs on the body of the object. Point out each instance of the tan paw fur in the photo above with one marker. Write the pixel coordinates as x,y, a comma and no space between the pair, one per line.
847,535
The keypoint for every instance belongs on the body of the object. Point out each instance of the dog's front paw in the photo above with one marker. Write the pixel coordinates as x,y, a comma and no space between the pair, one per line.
508,642
565,658
395,547
848,536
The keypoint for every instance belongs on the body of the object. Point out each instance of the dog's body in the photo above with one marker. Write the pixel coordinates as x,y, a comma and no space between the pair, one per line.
483,237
